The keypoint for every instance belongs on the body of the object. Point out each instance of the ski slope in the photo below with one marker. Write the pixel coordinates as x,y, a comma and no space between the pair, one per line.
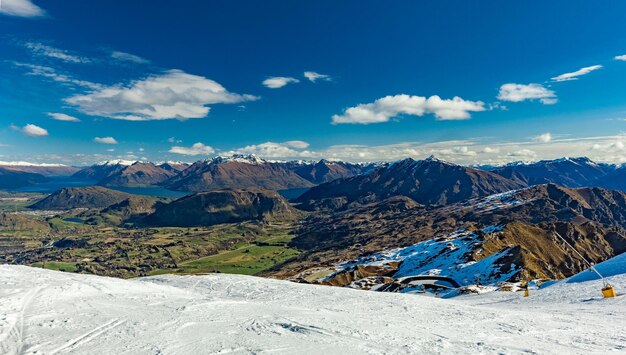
48,312
611,267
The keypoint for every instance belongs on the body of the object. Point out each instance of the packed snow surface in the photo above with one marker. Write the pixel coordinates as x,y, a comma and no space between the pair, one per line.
49,312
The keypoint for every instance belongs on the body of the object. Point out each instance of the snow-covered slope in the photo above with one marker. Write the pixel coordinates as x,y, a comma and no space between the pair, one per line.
611,267
47,312
447,255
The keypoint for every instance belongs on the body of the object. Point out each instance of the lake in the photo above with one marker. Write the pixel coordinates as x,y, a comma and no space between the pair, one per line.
57,183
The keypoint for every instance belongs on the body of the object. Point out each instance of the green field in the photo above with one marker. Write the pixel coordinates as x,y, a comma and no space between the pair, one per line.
63,242
247,258
56,265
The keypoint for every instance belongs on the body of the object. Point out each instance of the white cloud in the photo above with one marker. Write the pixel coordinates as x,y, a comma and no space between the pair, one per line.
105,140
51,73
278,82
141,149
522,92
388,107
63,117
34,131
490,150
20,8
195,149
523,153
313,76
544,138
610,147
577,73
44,50
174,140
290,149
296,144
458,151
621,57
605,149
127,57
172,95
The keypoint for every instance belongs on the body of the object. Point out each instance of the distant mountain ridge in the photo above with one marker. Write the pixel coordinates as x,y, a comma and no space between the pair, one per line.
11,179
48,170
139,174
570,172
430,182
326,171
125,173
250,171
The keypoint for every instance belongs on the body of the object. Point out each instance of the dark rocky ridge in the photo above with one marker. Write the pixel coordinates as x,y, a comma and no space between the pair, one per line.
223,206
428,182
569,172
80,197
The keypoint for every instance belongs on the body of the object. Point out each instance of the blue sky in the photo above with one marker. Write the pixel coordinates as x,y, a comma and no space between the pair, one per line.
486,82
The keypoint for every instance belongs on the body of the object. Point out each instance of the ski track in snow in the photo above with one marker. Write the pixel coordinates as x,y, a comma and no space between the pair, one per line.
48,312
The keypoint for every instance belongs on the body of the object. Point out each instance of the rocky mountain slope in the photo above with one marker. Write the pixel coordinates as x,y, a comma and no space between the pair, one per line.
237,172
11,179
42,169
570,172
615,179
174,166
100,171
428,182
515,227
325,170
139,174
131,210
129,173
223,206
80,197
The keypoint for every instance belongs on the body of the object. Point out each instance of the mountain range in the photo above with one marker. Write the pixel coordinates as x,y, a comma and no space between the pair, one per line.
570,172
47,170
240,171
235,172
11,179
249,171
372,225
430,182
486,234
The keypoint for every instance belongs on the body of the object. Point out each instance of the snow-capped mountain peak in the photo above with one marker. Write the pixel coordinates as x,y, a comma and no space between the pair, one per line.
118,162
24,163
239,158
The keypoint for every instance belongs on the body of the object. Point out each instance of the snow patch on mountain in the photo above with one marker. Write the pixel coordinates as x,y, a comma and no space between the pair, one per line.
24,163
450,255
490,203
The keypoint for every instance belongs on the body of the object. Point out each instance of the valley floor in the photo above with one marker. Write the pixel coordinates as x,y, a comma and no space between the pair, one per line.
49,312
